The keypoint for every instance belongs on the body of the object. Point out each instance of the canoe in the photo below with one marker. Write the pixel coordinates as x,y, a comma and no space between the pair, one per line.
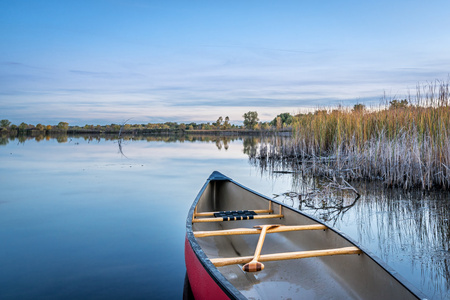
243,245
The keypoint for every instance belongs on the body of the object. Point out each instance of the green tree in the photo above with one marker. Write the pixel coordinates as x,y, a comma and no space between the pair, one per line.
227,124
40,127
115,127
218,123
279,123
359,108
63,125
396,104
265,126
286,119
192,126
5,123
251,119
23,126
320,112
170,125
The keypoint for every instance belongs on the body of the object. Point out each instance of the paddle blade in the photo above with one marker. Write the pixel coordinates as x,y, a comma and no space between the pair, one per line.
253,267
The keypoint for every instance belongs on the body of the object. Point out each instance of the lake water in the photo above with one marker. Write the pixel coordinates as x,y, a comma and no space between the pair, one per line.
80,219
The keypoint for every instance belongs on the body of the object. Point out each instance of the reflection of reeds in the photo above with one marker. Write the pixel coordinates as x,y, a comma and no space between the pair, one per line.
409,225
405,146
404,228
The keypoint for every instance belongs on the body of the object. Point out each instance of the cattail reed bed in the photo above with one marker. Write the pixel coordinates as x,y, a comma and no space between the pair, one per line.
403,143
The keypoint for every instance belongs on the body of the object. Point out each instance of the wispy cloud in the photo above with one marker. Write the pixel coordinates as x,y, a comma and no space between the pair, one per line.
107,75
156,61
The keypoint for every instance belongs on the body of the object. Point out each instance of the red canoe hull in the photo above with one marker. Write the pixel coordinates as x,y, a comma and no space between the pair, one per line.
202,285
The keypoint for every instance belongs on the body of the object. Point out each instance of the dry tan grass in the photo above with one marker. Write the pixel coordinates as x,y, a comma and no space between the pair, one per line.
406,146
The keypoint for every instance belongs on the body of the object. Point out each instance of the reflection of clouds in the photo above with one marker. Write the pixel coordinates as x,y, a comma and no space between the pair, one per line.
151,154
186,150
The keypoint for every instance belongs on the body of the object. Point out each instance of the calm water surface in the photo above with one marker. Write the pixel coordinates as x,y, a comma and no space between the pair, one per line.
80,219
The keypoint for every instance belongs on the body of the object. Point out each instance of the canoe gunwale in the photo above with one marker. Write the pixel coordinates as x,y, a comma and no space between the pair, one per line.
232,291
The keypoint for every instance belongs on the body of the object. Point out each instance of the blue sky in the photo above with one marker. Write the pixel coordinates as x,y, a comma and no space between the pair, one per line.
103,62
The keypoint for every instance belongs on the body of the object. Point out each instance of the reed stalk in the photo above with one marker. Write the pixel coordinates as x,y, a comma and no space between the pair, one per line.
406,146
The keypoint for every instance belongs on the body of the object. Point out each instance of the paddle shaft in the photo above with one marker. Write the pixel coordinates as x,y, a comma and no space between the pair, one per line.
262,236
254,265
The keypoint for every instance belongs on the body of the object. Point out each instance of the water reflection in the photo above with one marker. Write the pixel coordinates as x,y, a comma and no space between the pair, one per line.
410,231
412,227
329,209
222,142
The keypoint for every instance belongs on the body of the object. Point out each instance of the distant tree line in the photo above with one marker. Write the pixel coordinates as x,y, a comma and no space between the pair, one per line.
250,122
22,128
283,121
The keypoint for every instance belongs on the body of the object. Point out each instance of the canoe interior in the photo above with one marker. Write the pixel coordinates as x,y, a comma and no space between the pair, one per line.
334,277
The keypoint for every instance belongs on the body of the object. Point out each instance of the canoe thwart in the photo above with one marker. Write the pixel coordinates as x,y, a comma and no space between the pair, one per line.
242,231
220,262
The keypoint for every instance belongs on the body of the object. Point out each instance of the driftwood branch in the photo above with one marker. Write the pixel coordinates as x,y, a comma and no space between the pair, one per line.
120,140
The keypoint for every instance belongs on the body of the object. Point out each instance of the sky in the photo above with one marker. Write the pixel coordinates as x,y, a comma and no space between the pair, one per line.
107,61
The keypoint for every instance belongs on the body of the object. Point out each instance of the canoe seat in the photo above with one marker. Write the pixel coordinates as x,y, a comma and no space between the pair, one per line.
235,215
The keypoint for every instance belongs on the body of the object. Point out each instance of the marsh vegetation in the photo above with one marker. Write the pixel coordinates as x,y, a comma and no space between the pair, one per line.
403,143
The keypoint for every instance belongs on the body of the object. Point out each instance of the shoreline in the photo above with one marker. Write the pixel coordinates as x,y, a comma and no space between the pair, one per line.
142,132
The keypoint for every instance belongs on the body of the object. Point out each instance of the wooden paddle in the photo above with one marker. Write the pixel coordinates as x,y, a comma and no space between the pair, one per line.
254,265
